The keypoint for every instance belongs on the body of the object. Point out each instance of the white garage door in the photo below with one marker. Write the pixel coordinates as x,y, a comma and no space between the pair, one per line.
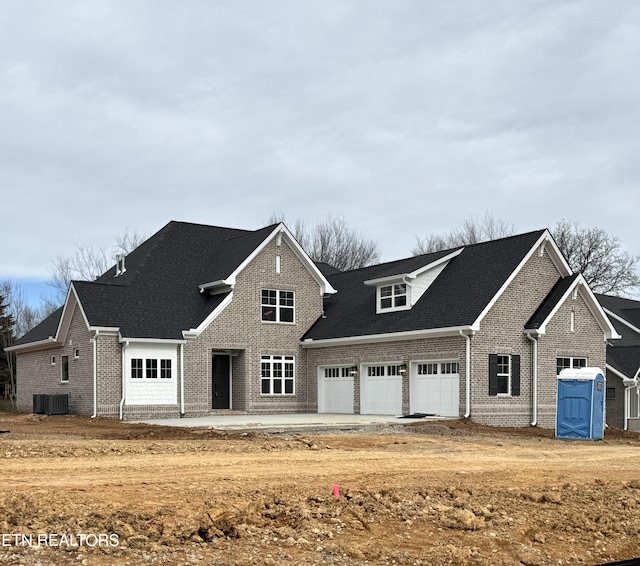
435,388
335,390
381,390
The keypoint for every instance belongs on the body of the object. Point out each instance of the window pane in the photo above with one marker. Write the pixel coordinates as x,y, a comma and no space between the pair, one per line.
400,289
269,297
503,384
286,314
579,362
386,291
152,369
286,298
65,368
277,386
266,387
385,303
288,386
268,313
401,301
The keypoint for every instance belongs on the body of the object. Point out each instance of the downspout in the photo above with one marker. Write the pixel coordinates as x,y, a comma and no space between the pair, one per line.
182,380
467,369
125,345
626,407
94,340
534,387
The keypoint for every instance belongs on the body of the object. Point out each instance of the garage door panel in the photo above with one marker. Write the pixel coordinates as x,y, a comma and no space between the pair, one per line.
436,393
382,392
335,394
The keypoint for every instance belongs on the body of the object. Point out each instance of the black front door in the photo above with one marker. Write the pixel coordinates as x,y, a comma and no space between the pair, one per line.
221,389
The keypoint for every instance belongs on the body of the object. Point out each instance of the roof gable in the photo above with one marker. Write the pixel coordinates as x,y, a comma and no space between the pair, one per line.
561,291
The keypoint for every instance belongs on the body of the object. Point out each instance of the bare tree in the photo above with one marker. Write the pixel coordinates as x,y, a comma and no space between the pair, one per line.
24,315
333,241
598,256
86,264
473,230
7,359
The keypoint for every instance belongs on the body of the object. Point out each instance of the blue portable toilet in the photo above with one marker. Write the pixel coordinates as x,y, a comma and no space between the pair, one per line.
580,404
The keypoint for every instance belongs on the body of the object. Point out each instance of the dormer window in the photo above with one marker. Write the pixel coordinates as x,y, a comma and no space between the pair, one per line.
393,297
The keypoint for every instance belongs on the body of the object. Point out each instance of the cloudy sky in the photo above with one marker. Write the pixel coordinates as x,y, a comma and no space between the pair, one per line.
405,116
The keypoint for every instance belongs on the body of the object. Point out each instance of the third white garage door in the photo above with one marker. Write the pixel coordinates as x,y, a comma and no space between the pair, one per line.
381,390
435,388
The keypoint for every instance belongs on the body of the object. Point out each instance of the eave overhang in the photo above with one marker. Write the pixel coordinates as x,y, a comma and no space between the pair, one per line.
388,337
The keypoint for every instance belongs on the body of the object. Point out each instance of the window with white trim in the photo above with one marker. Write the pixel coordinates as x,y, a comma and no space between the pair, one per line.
147,368
504,374
277,306
137,368
570,363
64,369
277,375
393,297
381,371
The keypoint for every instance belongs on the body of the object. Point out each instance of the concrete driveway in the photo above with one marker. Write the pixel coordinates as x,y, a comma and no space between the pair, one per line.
287,421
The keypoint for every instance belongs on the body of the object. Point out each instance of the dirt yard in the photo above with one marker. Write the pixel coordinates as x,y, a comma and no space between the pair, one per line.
104,492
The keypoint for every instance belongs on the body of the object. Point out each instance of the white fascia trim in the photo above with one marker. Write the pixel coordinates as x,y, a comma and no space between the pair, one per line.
151,340
556,257
622,320
415,273
195,332
106,329
598,312
279,231
626,380
387,337
50,342
65,322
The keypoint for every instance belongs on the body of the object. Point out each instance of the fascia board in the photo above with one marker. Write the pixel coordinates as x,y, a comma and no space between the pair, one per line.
33,346
436,263
160,341
65,319
563,267
195,332
596,308
415,273
622,320
619,374
281,229
387,337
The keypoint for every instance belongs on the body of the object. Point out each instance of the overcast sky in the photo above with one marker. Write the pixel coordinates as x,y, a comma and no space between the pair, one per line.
405,116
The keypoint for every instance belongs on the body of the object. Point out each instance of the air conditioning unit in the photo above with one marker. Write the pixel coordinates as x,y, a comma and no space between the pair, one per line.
57,404
39,403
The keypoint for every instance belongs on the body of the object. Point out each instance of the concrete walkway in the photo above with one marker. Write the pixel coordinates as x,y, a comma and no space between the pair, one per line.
288,421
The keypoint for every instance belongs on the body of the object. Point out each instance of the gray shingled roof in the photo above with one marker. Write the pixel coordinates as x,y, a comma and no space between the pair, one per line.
625,359
158,295
628,310
550,302
456,298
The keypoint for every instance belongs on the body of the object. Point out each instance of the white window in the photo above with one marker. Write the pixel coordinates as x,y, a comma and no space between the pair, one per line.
137,369
165,369
53,360
393,297
76,354
570,363
148,368
278,306
277,375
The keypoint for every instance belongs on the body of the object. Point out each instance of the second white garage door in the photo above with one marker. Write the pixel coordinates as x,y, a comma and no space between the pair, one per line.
381,390
435,388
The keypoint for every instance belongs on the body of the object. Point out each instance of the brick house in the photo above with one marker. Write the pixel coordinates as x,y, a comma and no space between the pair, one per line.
203,318
623,363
